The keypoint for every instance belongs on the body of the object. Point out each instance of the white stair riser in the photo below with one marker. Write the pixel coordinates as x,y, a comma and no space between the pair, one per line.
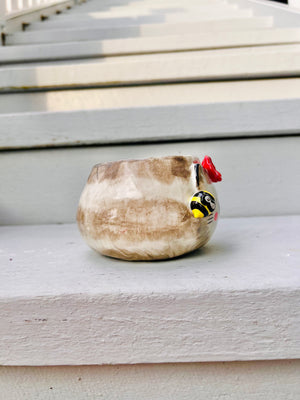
269,61
61,51
283,16
154,96
100,6
67,35
274,380
43,186
139,20
148,124
146,9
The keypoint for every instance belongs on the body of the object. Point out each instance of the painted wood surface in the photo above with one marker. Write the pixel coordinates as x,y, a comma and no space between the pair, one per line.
97,6
237,299
65,35
277,380
155,124
268,61
43,186
282,15
96,48
295,4
139,97
144,8
105,4
107,21
113,7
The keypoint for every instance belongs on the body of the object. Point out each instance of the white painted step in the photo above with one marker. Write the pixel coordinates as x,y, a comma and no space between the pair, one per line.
75,34
236,299
44,186
150,113
92,6
240,63
158,18
275,379
95,48
146,9
141,101
283,15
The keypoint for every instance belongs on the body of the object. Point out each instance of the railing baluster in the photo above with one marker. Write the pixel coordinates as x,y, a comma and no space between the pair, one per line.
14,5
26,4
7,7
3,6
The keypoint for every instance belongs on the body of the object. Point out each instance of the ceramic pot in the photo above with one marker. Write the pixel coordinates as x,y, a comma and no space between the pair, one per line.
149,209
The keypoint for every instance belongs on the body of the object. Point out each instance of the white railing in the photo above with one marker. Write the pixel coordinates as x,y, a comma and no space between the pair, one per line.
11,6
18,14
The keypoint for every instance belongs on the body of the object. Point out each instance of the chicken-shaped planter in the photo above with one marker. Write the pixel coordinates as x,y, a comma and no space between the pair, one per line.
149,209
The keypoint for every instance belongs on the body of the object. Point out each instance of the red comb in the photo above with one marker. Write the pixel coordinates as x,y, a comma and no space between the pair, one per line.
209,167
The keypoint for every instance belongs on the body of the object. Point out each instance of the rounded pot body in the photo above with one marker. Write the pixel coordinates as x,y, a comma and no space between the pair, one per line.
149,209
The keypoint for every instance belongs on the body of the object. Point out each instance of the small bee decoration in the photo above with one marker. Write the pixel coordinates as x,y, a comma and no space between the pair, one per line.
203,204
